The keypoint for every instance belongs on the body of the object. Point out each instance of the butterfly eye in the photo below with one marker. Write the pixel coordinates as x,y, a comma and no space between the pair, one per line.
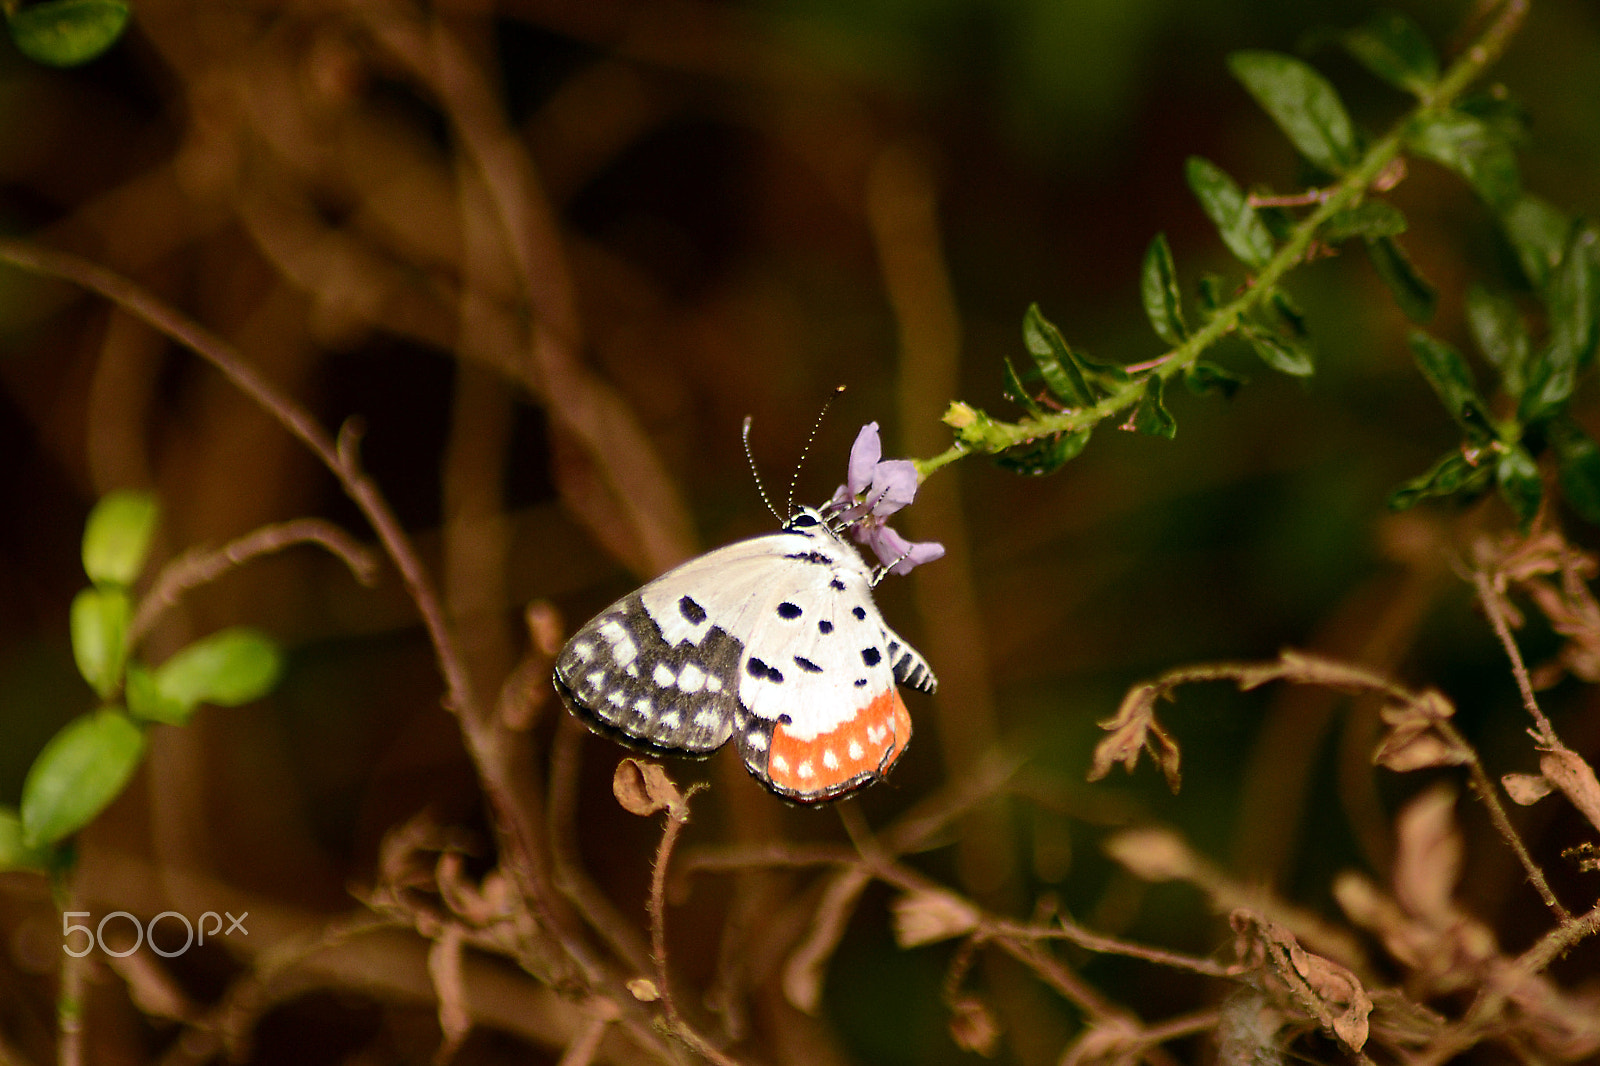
802,521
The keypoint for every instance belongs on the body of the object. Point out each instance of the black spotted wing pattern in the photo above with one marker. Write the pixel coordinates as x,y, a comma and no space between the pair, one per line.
623,679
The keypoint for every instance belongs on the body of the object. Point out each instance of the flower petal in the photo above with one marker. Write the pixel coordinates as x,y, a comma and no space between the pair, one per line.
864,456
894,485
894,551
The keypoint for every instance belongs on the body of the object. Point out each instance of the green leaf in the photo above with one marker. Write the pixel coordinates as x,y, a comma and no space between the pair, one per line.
117,536
66,33
1163,304
1151,417
1017,392
1281,312
1578,467
1416,297
1471,148
1204,376
1107,375
1452,380
1054,359
1569,297
14,853
228,668
1046,455
80,771
1450,475
1538,233
1225,204
1391,46
1374,218
1283,354
1501,335
1212,292
1520,485
148,703
99,626
1302,103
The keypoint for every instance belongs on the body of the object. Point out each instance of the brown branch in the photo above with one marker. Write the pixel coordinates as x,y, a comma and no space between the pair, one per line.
1484,789
677,818
566,867
339,457
1489,597
199,566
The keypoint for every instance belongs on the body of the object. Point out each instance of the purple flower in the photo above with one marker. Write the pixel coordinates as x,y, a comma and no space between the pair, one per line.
874,489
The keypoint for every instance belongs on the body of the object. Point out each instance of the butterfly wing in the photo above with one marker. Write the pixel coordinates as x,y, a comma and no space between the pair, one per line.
655,668
773,641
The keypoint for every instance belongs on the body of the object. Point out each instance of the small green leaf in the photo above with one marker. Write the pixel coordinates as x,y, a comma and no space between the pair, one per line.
1017,392
66,33
1452,380
1450,475
1212,292
1163,304
1302,103
1283,354
1373,218
1520,485
81,770
1471,148
1578,467
1284,315
99,626
14,854
1054,359
1225,204
1501,335
1538,233
1570,297
148,703
117,536
1151,417
1107,375
1204,376
1392,46
1044,456
228,668
1416,297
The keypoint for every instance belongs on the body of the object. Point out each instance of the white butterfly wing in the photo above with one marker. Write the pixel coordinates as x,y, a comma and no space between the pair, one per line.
774,641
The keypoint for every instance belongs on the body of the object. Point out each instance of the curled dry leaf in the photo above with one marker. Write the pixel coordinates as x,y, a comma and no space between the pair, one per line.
1112,1041
1152,854
928,917
1134,728
974,1027
1566,770
444,969
643,788
1428,856
1526,789
1327,991
1412,742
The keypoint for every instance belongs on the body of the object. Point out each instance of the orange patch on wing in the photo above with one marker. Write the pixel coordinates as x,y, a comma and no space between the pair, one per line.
867,743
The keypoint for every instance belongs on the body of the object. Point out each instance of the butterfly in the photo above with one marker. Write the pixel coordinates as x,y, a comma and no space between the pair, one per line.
773,642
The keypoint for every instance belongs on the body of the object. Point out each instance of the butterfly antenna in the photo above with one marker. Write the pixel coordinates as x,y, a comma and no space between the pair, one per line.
795,479
748,454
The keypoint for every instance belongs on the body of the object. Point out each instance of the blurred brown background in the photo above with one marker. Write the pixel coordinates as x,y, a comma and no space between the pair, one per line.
550,253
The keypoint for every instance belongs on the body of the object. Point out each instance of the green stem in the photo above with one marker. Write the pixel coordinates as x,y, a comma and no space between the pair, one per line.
992,437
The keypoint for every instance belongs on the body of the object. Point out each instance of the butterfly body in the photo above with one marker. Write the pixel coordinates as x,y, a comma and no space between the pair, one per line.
773,643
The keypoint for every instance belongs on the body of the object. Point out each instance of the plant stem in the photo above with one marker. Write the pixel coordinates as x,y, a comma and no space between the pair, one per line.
993,437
